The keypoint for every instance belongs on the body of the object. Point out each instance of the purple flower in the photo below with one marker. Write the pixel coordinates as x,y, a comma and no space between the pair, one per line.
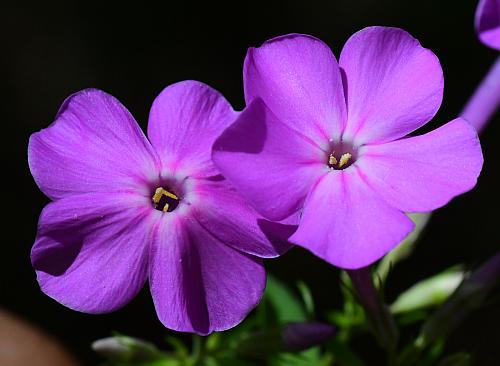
487,22
326,140
126,210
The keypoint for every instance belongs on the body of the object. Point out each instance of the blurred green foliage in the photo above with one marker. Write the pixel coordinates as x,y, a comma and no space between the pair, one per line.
281,330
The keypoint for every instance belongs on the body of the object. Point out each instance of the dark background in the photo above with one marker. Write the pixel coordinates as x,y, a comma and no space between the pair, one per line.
133,51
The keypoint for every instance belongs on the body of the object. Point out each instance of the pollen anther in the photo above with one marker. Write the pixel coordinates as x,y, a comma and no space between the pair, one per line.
332,160
344,159
159,194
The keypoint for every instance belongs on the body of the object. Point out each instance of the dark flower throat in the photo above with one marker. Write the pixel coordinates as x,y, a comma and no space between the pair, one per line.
164,200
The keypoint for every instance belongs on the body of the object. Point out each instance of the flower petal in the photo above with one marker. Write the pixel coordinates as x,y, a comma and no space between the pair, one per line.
422,173
270,164
298,77
94,145
198,284
91,250
393,85
228,217
487,22
345,223
184,121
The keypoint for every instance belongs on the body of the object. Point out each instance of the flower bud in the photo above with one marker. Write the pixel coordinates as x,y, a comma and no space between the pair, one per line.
301,336
470,295
429,292
291,337
123,348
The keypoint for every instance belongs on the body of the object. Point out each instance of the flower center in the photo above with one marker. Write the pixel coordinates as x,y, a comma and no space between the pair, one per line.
164,200
341,157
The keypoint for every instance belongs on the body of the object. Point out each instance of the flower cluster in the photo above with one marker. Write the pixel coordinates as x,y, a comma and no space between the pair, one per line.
320,158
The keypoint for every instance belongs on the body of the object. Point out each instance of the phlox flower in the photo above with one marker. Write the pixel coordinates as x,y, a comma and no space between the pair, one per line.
329,141
126,210
487,23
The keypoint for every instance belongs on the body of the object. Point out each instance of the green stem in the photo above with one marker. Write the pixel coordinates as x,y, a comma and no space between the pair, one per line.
378,314
196,351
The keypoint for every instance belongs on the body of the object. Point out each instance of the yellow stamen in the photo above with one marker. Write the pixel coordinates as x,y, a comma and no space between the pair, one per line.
332,160
159,193
344,159
171,195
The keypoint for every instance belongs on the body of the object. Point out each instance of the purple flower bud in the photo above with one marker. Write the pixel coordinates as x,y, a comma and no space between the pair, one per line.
301,336
291,337
487,23
470,295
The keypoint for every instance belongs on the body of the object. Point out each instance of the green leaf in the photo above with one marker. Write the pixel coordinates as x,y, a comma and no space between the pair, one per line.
430,292
179,347
285,304
163,362
405,248
307,298
412,317
343,320
469,296
311,357
457,359
213,341
343,354
229,361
